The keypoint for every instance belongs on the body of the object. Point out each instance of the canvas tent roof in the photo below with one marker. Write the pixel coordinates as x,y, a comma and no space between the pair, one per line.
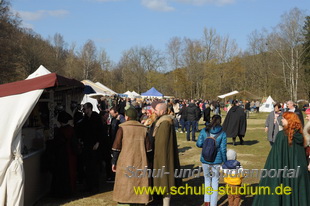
40,82
135,94
228,94
98,89
132,94
240,95
152,93
23,95
267,106
128,92
108,90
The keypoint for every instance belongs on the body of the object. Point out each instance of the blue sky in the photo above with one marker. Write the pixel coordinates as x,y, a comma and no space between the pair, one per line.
118,25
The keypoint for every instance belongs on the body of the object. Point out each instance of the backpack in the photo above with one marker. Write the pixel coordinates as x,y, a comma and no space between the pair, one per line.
209,149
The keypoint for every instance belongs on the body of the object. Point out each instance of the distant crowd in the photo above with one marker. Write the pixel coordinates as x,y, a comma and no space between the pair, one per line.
142,133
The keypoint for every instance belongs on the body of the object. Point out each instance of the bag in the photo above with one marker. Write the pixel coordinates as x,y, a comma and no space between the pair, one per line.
209,149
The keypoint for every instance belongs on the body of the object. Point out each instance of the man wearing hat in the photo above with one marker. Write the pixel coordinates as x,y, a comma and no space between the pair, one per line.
129,154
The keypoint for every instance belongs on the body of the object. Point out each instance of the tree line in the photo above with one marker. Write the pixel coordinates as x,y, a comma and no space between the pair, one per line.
276,62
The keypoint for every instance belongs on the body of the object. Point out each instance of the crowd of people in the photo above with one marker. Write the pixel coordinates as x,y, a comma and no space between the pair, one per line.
128,136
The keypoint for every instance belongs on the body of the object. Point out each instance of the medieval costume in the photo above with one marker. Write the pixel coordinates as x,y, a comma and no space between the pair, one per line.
129,155
235,123
165,153
285,156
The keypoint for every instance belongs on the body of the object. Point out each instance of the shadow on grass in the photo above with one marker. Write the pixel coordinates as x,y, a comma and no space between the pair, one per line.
51,200
184,149
246,142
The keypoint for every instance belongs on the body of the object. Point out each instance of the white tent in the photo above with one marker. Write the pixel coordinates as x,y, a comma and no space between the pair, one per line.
94,102
11,161
107,90
228,94
18,99
132,94
99,89
135,94
128,93
267,106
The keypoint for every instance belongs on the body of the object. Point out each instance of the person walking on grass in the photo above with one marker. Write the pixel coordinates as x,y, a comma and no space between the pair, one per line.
233,177
211,170
235,123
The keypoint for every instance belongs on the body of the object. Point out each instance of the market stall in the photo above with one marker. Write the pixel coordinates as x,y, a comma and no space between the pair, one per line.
28,120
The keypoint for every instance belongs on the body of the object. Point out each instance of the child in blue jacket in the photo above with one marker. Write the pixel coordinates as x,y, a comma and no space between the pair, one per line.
211,170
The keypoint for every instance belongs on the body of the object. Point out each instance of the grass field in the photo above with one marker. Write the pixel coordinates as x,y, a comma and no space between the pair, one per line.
252,155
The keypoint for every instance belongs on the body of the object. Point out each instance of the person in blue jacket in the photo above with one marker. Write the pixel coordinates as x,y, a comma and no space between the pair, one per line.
211,170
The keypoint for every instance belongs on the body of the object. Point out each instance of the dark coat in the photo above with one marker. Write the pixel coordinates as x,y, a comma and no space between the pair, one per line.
301,117
182,112
235,122
198,113
206,114
299,114
191,112
91,130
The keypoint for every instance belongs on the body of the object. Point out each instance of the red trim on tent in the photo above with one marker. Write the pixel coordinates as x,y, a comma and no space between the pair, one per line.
41,82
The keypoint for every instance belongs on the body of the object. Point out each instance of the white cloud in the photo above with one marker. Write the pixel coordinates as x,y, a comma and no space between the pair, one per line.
40,14
202,2
158,5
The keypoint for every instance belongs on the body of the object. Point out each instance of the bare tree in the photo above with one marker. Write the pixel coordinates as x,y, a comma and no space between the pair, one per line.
286,41
106,67
225,50
210,38
88,57
174,49
260,66
193,61
152,59
59,44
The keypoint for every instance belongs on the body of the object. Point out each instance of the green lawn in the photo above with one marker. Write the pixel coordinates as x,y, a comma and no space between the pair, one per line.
252,155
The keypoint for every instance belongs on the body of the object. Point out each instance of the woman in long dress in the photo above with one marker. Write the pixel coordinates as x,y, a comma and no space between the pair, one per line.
287,153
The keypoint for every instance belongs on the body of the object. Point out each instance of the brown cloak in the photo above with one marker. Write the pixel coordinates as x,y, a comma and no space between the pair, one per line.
165,153
131,141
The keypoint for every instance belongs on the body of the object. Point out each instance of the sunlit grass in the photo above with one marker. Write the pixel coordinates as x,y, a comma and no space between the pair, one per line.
252,155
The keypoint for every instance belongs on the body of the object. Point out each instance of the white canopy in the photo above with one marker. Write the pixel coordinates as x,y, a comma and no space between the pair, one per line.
94,102
15,111
267,106
128,93
107,90
228,94
132,94
98,89
135,94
